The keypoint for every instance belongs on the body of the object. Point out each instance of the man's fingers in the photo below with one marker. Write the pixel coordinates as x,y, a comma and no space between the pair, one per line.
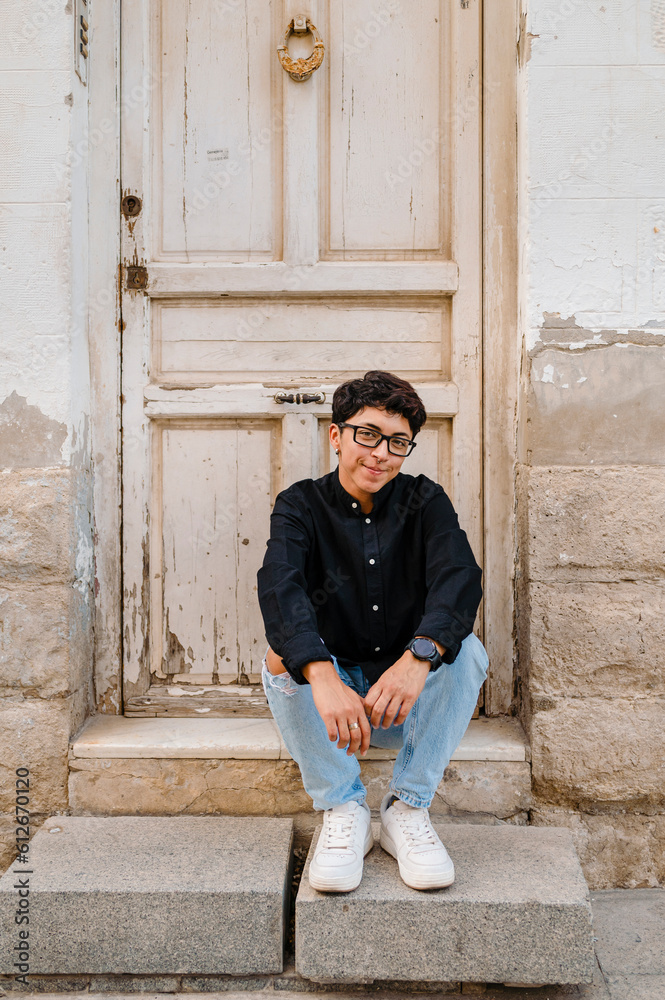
391,707
403,713
344,736
366,732
380,706
359,736
356,736
340,716
391,712
330,722
371,697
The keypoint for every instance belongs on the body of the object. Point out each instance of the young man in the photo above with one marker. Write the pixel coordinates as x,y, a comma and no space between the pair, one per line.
369,591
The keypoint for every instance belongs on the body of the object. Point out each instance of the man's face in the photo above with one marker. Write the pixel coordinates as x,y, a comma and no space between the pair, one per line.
364,471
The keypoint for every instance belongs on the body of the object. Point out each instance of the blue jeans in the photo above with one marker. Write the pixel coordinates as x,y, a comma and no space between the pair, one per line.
426,739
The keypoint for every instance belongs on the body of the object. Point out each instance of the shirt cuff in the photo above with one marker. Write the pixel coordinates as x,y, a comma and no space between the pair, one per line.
448,630
302,649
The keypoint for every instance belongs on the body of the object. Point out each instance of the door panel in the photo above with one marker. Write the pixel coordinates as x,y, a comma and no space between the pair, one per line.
211,484
385,188
200,339
293,234
217,135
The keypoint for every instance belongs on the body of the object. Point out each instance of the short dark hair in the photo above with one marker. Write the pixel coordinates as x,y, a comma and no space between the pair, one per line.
383,391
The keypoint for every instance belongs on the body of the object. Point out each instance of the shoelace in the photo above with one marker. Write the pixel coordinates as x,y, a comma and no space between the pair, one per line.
416,827
337,830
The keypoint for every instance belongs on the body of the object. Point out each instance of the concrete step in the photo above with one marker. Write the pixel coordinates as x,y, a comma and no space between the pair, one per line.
518,912
123,766
151,894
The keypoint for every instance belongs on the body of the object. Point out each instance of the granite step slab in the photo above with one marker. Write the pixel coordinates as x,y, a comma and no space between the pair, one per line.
518,912
152,895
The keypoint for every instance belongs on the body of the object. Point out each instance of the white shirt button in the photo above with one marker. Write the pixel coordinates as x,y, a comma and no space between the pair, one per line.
368,520
354,504
372,561
375,607
377,649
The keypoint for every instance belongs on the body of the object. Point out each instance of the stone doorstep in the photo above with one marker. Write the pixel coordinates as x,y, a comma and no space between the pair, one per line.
115,736
519,911
152,895
121,766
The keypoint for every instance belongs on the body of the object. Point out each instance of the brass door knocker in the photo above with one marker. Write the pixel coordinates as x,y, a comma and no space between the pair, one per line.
301,69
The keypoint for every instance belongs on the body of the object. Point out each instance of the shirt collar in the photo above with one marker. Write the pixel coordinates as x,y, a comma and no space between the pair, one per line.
347,501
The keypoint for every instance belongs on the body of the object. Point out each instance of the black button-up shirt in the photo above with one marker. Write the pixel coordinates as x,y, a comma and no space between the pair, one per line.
361,586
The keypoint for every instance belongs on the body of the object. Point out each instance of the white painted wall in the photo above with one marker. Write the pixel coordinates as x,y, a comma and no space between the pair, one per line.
593,181
44,361
43,216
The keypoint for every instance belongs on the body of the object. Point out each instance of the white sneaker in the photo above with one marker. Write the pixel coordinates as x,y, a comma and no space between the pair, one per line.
346,837
407,833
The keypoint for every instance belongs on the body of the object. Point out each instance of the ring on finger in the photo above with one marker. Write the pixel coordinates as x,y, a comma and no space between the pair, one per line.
353,725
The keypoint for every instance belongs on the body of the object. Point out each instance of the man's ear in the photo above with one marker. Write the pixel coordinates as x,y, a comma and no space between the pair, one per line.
335,437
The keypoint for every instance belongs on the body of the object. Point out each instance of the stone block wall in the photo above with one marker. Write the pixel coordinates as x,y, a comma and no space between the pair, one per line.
45,528
591,473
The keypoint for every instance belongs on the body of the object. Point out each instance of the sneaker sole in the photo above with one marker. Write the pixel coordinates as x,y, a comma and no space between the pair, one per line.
415,879
342,883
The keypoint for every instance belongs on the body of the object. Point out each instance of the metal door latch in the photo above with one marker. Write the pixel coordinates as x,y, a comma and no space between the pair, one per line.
131,205
137,277
300,397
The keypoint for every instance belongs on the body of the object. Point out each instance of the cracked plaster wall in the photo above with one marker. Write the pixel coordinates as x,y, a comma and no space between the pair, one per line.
45,482
591,448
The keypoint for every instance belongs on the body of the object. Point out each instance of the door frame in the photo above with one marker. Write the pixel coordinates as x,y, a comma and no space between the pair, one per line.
500,338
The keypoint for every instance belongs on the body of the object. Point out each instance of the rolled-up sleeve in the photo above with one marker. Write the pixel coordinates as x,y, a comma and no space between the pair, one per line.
452,577
288,613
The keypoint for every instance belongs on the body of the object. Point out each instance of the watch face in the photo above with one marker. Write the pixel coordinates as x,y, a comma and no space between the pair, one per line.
423,648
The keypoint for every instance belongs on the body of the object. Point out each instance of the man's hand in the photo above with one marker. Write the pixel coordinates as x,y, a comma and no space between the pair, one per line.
338,705
396,691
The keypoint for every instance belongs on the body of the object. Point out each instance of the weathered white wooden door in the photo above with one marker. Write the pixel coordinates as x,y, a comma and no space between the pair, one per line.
290,235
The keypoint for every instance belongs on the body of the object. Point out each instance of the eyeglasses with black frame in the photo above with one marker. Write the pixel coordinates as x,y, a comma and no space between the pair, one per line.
370,438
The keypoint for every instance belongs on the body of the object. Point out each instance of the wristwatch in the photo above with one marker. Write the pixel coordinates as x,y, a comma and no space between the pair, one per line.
424,649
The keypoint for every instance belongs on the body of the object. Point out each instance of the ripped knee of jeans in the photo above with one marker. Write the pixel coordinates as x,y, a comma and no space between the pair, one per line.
283,682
